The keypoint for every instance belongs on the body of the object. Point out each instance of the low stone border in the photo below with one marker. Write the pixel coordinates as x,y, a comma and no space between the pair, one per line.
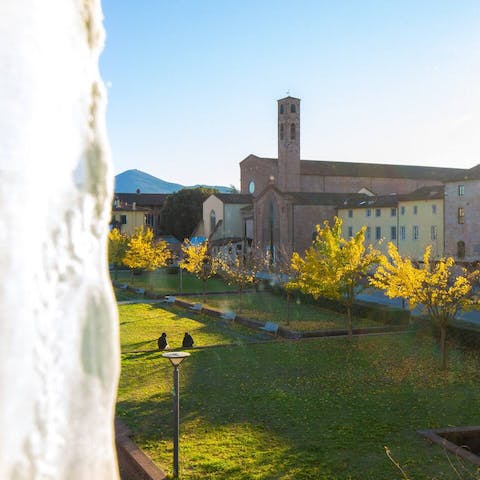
133,463
295,335
442,437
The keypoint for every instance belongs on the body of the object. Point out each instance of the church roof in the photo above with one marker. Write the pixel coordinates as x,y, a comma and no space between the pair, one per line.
379,170
354,169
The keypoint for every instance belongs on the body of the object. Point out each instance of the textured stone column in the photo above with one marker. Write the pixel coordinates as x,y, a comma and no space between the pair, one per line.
58,326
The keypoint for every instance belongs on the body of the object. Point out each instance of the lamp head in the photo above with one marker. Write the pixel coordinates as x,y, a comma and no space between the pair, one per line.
176,358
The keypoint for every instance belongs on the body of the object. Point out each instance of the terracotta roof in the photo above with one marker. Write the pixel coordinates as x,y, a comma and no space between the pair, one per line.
143,199
425,193
129,208
368,201
237,198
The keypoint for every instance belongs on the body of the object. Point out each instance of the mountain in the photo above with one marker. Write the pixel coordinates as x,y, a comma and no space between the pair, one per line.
131,180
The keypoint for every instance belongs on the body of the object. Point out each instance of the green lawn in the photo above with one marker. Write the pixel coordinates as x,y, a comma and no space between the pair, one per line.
317,409
162,282
142,324
266,306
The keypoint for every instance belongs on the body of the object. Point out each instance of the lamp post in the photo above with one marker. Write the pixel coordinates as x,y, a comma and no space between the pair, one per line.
176,358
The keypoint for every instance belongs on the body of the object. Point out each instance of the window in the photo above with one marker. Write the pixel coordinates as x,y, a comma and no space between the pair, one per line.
433,232
378,233
378,212
293,108
403,232
434,209
282,108
393,232
213,221
415,232
368,212
393,212
461,249
292,131
123,219
461,190
402,210
350,213
350,231
461,215
368,233
415,209
282,131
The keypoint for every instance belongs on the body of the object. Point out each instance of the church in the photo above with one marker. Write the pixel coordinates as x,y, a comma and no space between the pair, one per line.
286,197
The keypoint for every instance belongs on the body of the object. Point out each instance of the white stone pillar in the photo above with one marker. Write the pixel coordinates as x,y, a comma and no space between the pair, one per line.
58,326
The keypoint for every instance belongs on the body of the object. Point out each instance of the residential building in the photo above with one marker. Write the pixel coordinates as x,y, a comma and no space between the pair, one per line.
462,216
411,221
128,217
223,222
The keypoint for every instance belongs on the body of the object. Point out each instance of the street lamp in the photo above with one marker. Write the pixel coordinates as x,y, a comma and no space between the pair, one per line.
176,358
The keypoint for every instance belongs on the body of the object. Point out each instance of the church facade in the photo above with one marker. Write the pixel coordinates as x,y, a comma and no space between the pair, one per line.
290,196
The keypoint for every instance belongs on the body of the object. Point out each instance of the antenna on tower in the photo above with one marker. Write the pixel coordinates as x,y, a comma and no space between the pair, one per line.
288,92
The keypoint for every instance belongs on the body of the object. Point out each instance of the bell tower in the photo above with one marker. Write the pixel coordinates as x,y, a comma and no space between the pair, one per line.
289,144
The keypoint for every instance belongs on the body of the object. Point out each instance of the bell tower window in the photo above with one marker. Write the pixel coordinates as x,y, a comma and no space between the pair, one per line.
293,108
281,108
292,132
282,131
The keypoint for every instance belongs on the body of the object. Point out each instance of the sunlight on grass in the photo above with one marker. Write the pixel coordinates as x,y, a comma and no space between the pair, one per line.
321,409
142,324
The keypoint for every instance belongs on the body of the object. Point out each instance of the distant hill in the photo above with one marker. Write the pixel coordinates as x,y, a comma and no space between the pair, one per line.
131,180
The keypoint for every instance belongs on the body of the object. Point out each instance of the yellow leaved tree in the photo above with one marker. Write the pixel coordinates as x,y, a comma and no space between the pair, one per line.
240,270
198,261
441,288
144,253
117,246
335,267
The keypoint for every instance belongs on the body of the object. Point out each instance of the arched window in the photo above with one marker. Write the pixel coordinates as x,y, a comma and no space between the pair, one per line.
213,221
292,132
281,108
282,131
461,249
293,108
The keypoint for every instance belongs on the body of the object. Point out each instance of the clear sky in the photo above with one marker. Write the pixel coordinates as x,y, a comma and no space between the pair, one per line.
193,84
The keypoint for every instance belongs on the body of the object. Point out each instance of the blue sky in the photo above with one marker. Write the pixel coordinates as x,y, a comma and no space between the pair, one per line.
193,84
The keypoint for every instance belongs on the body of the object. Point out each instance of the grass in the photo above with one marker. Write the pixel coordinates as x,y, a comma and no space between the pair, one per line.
142,324
319,409
269,307
162,282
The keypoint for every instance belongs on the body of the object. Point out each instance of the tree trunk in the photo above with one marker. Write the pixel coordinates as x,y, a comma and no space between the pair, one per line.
288,309
350,324
204,287
443,347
